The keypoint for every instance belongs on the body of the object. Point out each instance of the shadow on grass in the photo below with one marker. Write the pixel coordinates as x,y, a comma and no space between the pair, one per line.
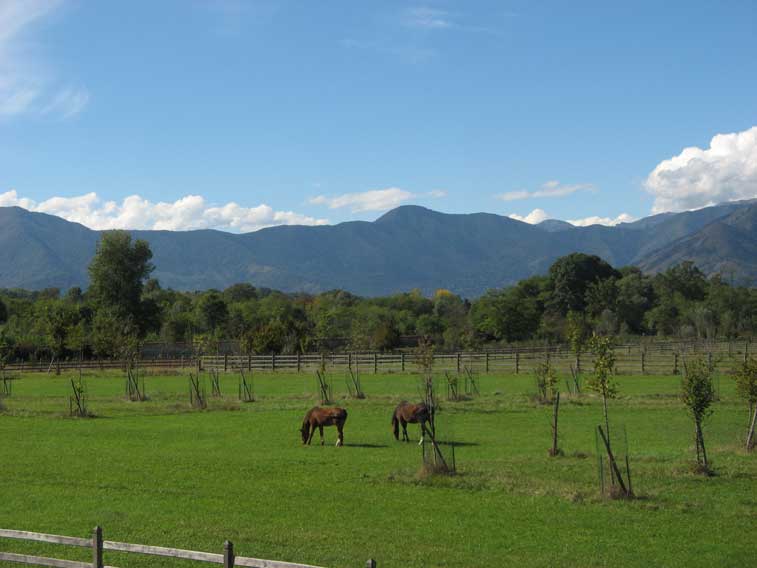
365,446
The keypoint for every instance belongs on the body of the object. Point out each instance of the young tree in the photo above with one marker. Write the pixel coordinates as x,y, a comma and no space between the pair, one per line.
604,372
7,345
698,394
546,381
746,387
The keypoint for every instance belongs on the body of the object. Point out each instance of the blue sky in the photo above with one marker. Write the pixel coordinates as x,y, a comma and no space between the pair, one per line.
238,115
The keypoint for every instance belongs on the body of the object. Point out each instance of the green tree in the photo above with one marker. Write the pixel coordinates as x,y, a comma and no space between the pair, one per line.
746,387
602,381
698,394
212,311
58,320
3,312
117,274
570,277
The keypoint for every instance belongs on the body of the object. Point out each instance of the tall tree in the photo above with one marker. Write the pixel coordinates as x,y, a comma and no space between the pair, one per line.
117,274
570,277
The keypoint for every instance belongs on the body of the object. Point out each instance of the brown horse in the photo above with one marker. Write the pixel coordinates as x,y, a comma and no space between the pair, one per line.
318,417
409,413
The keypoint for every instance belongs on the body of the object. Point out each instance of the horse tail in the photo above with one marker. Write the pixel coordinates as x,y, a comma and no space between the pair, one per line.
396,426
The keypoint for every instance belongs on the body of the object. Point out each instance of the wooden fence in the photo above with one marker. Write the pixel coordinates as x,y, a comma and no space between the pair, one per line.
99,546
654,358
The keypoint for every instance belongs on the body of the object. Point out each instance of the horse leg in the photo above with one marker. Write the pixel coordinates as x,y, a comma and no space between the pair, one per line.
340,436
320,428
312,431
423,433
405,437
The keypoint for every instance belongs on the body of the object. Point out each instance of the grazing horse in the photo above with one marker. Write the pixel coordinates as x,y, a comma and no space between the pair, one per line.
318,417
409,413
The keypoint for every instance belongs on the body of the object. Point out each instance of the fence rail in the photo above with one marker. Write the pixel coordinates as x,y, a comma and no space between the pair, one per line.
631,359
99,546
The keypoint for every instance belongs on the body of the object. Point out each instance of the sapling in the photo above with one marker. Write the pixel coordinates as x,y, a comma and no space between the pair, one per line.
602,380
546,381
746,387
698,394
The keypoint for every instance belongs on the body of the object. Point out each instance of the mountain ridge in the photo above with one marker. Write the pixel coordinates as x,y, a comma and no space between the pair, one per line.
407,247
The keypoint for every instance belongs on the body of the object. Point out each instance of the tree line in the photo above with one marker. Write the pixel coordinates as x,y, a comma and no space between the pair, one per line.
580,295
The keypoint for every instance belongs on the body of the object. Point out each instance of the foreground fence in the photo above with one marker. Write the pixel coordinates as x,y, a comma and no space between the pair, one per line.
99,546
655,358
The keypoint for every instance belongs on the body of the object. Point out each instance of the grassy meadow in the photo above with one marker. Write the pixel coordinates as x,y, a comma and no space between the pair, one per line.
158,472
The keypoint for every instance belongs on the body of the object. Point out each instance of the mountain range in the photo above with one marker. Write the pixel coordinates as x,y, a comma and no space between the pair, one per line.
408,247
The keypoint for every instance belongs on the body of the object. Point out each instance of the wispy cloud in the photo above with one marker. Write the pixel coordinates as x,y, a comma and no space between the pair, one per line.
136,212
25,86
552,188
405,52
374,200
427,18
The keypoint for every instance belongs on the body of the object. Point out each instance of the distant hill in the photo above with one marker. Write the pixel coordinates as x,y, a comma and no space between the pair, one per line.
408,247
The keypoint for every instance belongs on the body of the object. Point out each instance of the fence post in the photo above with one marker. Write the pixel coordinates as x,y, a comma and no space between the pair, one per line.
228,554
375,363
370,564
675,363
517,361
487,361
249,362
298,362
225,362
97,547
273,361
402,359
458,362
643,354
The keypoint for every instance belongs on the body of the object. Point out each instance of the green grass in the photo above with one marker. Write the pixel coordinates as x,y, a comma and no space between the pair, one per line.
158,472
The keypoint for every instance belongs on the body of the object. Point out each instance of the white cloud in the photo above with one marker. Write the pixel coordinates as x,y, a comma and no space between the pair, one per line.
539,215
696,178
536,216
374,200
427,18
552,188
135,212
609,221
437,193
25,85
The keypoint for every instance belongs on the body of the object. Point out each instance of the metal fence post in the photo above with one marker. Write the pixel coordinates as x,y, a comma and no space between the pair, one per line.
228,554
97,547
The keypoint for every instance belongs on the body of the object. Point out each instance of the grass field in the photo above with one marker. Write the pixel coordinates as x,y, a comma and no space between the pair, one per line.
158,472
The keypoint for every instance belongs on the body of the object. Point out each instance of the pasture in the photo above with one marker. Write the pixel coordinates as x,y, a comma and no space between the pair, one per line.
158,472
